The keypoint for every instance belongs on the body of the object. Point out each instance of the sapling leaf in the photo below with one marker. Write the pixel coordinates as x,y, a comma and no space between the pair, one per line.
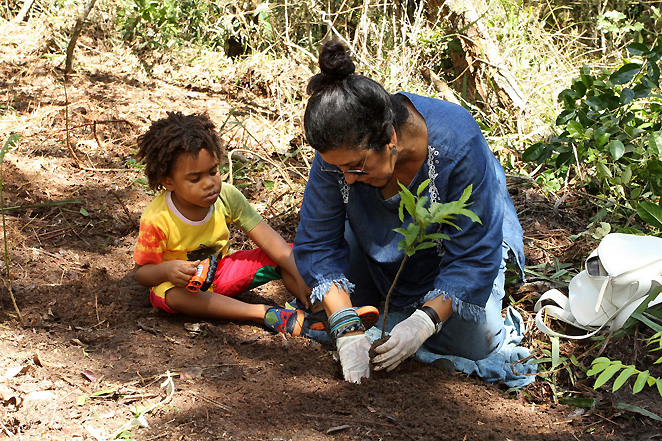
421,212
415,236
411,234
424,245
408,200
466,194
401,231
437,236
422,187
471,215
448,222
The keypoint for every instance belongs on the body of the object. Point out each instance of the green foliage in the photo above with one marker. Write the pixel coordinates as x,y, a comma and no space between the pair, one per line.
415,235
610,137
605,369
10,143
560,364
153,24
656,340
617,22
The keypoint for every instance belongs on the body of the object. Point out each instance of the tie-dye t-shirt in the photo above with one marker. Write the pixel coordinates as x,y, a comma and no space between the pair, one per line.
165,234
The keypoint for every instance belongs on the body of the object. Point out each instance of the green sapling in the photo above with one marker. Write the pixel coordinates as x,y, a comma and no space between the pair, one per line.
415,234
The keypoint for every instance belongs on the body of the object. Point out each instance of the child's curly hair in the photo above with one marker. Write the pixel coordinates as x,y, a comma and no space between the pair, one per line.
168,138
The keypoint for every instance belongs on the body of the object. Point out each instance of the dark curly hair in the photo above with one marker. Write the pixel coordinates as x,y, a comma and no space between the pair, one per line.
348,110
169,138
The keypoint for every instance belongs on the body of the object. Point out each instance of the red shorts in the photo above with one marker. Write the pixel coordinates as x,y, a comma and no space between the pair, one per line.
236,273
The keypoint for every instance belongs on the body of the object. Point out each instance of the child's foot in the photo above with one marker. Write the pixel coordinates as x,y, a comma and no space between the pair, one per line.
318,321
287,321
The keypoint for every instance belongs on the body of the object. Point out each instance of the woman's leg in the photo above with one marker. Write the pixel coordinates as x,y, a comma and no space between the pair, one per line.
365,292
470,339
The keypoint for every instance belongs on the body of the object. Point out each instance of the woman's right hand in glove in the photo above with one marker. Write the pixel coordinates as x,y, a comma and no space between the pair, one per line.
354,353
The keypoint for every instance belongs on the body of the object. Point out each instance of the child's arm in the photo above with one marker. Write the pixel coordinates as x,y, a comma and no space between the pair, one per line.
281,253
177,272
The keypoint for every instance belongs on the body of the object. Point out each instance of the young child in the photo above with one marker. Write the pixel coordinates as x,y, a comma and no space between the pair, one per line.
188,222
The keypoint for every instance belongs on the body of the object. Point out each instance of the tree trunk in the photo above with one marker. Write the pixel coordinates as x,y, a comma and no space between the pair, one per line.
74,36
480,56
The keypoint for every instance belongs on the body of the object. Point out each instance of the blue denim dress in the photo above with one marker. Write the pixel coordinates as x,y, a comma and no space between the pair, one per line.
337,217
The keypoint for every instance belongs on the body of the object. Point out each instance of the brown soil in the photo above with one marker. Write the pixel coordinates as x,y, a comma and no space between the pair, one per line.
91,353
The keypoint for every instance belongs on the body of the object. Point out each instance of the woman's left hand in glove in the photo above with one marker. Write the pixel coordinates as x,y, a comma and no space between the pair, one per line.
405,339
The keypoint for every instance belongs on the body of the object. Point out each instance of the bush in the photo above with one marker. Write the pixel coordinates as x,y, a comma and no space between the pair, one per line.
610,138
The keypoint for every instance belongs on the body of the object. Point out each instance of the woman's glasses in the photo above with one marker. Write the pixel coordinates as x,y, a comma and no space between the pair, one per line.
351,171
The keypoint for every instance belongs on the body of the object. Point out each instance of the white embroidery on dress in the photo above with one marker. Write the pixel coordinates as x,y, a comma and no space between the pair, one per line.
344,189
434,192
432,174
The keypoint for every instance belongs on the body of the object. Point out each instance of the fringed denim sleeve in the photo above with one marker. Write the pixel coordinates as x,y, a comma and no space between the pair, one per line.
319,292
467,311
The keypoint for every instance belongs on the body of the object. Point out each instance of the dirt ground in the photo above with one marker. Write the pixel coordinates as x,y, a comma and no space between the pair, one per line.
91,359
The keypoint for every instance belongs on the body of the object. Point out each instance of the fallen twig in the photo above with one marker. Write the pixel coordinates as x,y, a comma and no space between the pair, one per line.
126,210
45,204
364,422
147,328
94,123
215,403
6,430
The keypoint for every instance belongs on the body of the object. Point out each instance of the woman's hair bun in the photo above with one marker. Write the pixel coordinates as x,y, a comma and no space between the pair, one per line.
334,60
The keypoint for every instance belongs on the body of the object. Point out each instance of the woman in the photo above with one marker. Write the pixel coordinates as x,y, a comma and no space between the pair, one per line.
367,141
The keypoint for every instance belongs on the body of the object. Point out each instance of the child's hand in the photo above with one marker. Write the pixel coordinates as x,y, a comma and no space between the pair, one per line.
302,292
179,272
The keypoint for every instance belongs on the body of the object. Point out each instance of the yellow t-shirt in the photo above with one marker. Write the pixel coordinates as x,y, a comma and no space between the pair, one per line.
165,234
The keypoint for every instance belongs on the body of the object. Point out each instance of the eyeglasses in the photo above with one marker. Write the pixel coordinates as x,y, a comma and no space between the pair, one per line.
351,171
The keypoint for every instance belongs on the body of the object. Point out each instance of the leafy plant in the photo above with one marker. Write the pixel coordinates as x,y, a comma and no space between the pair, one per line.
610,138
215,25
416,235
139,414
616,21
605,369
559,363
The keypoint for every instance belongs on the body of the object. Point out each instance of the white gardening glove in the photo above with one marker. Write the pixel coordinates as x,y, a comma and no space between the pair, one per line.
353,351
406,337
